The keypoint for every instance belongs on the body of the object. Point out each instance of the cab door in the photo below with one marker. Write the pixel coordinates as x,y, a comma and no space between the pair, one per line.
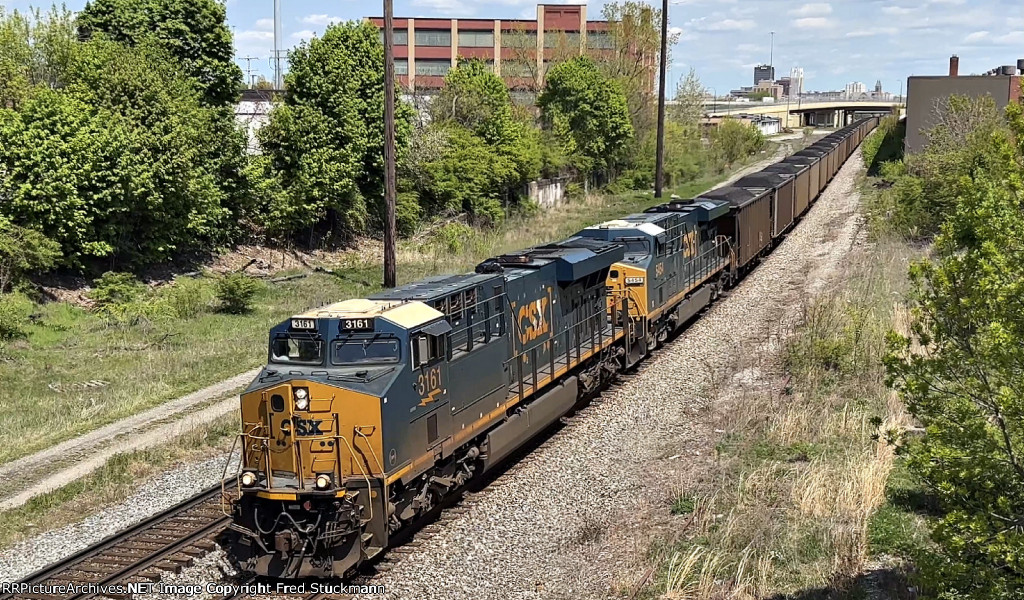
430,416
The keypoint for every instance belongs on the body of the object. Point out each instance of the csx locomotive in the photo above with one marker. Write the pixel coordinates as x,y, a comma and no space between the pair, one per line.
371,411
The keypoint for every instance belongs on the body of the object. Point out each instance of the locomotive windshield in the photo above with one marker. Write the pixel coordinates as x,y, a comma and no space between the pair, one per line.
363,351
637,246
297,350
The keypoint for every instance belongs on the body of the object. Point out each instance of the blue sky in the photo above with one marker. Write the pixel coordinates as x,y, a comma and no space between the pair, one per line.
835,42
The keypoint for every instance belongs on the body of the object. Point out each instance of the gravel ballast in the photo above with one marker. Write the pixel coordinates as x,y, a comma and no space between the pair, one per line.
577,517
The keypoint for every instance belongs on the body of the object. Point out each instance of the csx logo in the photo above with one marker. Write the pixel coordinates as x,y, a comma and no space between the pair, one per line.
533,321
302,427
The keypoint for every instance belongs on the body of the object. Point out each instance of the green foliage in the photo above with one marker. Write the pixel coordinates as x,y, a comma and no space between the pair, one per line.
451,238
115,289
960,370
325,142
14,312
117,158
885,144
235,293
733,140
588,113
22,251
455,170
187,298
35,50
194,32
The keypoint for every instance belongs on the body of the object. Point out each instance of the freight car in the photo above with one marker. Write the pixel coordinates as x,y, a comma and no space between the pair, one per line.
371,411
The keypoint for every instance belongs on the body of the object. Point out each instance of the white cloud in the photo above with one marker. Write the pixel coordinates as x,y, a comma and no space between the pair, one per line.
265,25
729,25
896,10
813,9
813,23
976,36
861,33
305,34
1011,39
254,36
320,20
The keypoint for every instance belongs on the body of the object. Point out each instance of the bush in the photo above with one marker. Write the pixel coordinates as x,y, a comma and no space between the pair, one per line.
452,238
116,289
235,292
187,298
14,312
23,250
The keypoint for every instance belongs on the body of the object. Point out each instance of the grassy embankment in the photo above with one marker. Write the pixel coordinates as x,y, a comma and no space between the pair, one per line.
163,358
801,500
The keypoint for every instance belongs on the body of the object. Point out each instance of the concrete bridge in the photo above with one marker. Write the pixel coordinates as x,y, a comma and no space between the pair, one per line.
828,113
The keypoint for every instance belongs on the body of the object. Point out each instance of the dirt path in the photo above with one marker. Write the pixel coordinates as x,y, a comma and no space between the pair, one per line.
59,465
66,462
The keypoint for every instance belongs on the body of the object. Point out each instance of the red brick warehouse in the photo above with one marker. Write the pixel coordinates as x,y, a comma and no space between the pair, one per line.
426,48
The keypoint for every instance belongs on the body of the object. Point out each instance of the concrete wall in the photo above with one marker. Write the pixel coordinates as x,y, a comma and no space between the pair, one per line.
924,93
548,193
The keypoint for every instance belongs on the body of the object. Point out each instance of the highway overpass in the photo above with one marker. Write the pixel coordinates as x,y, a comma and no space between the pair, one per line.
831,113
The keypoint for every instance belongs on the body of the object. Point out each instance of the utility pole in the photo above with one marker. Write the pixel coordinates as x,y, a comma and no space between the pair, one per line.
390,191
278,74
248,69
771,58
659,169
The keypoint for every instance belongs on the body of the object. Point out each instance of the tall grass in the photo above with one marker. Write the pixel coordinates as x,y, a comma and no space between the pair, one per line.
801,471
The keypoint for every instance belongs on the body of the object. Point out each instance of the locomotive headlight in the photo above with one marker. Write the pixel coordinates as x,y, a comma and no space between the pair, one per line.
301,398
248,478
323,482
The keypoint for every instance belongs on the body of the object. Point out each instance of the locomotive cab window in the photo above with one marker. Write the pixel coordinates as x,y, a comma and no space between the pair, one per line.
297,350
428,345
365,351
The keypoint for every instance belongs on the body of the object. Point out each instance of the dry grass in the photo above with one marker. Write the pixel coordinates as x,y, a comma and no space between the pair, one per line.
799,476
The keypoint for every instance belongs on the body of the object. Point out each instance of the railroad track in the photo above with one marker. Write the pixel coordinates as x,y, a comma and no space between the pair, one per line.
129,562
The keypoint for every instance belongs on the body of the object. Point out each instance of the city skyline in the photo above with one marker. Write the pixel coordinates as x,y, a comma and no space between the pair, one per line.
723,40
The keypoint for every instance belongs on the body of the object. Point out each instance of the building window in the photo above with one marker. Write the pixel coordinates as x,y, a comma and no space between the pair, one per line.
518,39
556,39
515,68
401,37
476,39
427,37
600,39
401,66
433,67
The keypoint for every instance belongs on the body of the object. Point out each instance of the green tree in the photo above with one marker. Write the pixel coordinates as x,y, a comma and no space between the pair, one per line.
193,31
325,141
733,140
961,373
630,55
588,113
35,50
123,163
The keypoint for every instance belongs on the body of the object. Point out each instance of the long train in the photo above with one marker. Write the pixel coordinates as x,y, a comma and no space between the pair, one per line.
370,411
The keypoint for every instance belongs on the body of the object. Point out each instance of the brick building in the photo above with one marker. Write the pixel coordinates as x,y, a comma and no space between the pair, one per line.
518,49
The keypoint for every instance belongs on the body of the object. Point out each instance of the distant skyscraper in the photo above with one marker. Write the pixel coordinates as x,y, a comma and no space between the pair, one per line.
855,89
764,73
796,81
878,87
